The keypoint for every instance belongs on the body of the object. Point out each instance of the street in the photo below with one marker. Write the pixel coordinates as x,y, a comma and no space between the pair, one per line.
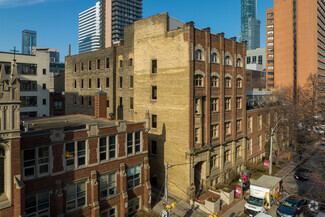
313,189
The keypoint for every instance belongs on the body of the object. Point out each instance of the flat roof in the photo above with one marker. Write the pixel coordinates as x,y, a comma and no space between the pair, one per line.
266,181
42,125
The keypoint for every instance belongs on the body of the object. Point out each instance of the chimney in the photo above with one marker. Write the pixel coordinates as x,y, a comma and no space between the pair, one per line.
101,104
69,50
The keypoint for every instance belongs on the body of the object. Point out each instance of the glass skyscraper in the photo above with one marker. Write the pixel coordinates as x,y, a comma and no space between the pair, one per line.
89,29
29,39
250,26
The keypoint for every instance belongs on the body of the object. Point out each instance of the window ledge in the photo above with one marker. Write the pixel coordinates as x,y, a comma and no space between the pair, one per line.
4,202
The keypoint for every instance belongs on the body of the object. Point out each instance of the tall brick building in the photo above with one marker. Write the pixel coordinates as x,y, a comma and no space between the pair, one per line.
73,165
193,84
299,44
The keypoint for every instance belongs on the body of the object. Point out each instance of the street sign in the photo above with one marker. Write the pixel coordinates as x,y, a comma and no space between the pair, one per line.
165,213
266,163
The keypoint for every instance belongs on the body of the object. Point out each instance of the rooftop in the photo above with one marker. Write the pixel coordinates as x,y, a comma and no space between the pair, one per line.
266,181
42,125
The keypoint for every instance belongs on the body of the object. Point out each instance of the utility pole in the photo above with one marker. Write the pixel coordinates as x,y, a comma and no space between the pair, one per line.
166,183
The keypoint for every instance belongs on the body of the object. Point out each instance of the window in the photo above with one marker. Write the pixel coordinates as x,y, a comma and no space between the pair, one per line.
37,204
28,85
249,124
249,146
227,60
89,83
270,56
107,63
89,65
133,177
107,103
215,131
238,152
44,86
270,38
270,61
44,101
154,92
131,81
98,63
248,60
107,82
270,20
270,32
214,161
239,103
82,66
214,81
89,100
107,185
98,82
109,213
121,101
270,44
197,106
44,71
75,154
254,59
154,147
75,67
259,142
239,63
121,82
196,134
111,153
134,206
82,83
259,122
260,59
27,69
227,156
227,128
153,66
198,79
57,105
133,145
227,103
130,62
121,63
36,162
75,195
82,100
28,101
227,82
270,26
198,55
270,15
239,83
238,125
75,83
214,105
214,58
131,103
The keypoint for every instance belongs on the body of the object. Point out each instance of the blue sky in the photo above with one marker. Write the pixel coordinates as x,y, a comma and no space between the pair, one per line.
56,21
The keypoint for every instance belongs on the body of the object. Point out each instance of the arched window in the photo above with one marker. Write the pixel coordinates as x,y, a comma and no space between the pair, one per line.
214,58
228,60
239,83
227,82
2,169
239,63
198,55
198,81
214,81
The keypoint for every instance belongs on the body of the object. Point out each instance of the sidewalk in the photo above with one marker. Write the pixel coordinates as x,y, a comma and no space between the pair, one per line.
237,210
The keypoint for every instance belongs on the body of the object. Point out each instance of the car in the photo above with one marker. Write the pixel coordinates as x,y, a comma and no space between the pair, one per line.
292,206
302,174
321,147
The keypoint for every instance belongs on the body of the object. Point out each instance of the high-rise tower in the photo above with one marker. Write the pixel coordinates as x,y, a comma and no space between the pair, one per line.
250,26
29,39
89,29
114,16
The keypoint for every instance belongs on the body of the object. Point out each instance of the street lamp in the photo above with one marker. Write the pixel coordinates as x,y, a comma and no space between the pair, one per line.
271,145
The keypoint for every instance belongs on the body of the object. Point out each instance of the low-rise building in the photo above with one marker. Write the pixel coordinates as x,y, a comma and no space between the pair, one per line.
33,73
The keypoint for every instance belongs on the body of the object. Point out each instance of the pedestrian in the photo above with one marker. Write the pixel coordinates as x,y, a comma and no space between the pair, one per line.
300,155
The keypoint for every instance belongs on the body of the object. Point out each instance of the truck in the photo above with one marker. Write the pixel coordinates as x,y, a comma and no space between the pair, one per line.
263,193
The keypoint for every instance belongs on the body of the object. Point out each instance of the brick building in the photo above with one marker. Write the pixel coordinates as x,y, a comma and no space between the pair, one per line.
193,84
72,165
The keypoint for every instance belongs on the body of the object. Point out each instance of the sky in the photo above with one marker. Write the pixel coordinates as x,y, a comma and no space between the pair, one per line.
56,21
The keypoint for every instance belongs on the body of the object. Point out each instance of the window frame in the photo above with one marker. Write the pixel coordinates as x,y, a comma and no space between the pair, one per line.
227,103
227,82
228,126
37,163
76,198
154,92
214,104
198,81
215,81
154,66
38,204
154,124
109,185
135,145
76,156
215,131
133,180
